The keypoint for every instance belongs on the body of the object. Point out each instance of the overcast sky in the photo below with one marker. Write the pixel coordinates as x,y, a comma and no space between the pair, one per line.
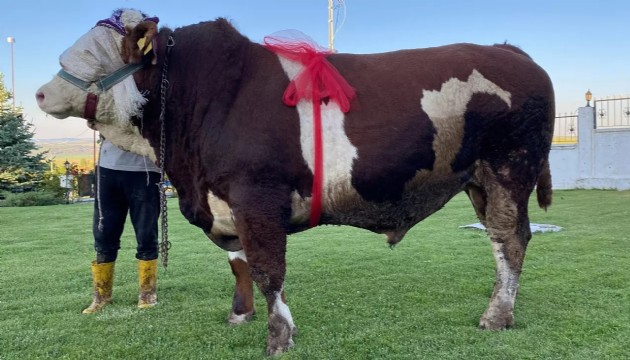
582,44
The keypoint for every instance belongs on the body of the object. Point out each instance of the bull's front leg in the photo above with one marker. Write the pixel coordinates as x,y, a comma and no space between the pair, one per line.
260,219
243,301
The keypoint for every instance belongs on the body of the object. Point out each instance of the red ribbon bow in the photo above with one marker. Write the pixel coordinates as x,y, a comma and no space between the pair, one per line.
318,81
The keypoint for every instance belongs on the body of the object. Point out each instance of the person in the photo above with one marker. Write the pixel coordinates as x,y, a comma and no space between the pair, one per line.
125,183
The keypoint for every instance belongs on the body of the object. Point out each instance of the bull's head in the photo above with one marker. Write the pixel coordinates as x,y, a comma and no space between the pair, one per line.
95,81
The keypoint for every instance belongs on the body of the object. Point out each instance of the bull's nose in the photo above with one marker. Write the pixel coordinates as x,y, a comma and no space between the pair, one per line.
39,96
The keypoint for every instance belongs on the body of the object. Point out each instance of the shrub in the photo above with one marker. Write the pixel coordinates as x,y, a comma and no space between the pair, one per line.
31,198
50,184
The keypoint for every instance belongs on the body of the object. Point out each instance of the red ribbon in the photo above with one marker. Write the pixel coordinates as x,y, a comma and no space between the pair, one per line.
318,81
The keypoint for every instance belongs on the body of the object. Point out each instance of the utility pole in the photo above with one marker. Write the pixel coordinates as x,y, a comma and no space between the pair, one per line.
11,40
331,32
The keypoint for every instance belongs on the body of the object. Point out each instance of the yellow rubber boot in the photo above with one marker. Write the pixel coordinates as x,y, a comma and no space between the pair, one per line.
103,280
147,278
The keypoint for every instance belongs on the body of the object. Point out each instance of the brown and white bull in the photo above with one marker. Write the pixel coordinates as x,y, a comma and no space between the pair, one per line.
425,125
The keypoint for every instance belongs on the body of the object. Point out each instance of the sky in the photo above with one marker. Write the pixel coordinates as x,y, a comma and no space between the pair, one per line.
581,44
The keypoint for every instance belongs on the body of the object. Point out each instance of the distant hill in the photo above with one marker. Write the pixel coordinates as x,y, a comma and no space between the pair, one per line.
67,147
79,151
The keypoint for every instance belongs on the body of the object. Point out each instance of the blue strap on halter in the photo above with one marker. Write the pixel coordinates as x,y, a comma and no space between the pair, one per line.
84,85
105,83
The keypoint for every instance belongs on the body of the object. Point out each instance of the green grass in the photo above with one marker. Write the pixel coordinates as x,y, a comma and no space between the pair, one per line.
350,295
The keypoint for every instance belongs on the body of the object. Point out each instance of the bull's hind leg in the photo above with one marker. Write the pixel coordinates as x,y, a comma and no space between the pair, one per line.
503,208
243,302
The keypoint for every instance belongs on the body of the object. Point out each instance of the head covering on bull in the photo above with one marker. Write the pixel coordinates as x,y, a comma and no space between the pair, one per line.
87,63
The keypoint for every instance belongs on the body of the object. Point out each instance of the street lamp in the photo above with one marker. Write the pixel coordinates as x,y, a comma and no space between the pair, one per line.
67,166
588,96
11,40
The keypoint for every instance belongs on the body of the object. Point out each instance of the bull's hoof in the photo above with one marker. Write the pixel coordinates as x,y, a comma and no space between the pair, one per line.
280,338
273,350
234,319
496,321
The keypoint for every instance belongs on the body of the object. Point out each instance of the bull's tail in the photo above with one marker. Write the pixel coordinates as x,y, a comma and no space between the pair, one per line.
543,187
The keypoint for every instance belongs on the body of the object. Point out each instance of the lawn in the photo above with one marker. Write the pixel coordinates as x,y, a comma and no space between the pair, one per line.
350,295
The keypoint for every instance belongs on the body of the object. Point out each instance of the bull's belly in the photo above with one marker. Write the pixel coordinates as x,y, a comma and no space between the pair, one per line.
419,201
342,207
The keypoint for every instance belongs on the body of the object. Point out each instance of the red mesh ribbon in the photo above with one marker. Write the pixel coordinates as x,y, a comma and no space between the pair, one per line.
318,81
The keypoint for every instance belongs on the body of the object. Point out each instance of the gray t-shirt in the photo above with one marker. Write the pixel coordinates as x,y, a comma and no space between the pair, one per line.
111,157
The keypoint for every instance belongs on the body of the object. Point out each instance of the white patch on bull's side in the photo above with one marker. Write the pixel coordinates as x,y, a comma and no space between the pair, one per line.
339,153
506,276
446,108
300,209
453,97
233,255
282,309
223,224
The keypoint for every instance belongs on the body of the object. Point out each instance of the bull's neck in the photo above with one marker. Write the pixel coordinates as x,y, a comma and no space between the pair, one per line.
205,68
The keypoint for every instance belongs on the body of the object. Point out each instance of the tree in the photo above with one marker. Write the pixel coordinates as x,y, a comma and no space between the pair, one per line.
5,96
20,167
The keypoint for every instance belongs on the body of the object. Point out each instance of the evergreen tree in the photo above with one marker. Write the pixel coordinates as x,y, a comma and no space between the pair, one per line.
5,96
20,167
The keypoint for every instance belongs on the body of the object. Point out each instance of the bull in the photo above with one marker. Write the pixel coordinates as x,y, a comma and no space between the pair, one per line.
425,125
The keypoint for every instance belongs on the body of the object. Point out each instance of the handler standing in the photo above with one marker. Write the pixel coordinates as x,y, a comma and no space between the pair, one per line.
125,183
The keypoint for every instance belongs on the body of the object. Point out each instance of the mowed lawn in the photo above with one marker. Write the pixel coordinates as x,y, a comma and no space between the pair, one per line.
350,295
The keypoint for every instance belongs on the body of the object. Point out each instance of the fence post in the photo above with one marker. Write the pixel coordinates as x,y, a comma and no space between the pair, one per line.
586,123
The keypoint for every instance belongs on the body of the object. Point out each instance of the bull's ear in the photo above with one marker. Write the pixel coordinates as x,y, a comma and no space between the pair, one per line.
138,43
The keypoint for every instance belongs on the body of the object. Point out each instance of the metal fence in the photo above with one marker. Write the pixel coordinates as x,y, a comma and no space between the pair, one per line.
85,185
612,112
565,129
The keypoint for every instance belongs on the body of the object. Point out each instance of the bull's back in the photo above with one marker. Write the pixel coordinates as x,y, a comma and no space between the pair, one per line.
424,118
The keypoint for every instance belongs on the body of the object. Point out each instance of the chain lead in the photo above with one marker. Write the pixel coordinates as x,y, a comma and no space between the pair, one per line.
165,244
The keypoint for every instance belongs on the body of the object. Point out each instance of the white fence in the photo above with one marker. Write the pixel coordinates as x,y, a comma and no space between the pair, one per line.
600,159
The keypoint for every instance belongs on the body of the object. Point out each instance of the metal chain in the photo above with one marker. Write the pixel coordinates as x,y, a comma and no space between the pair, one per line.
165,244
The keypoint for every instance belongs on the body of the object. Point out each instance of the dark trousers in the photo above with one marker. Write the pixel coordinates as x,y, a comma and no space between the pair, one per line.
122,192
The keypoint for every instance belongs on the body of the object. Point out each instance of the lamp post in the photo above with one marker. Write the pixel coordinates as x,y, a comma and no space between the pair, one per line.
331,31
588,96
11,40
67,166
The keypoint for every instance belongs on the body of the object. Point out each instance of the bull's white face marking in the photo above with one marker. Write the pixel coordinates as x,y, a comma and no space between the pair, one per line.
339,153
62,99
506,276
446,108
233,255
94,55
